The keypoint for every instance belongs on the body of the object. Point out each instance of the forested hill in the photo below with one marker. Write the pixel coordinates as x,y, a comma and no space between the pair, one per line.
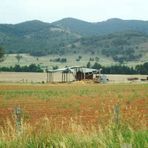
102,28
34,37
119,39
121,46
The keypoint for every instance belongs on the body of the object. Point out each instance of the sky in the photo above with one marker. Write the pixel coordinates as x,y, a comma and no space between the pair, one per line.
16,11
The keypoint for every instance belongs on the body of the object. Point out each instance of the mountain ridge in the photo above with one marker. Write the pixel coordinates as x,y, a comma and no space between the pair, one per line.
71,35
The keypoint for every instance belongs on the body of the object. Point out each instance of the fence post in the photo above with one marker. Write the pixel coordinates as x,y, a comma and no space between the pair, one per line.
117,114
18,117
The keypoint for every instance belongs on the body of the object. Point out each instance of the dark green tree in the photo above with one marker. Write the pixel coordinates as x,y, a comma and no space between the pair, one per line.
18,57
1,54
96,66
88,65
142,69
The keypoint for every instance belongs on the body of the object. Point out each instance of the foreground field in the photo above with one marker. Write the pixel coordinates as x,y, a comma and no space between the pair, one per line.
74,115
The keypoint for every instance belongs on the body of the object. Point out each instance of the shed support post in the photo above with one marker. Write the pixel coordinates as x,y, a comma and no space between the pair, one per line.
47,77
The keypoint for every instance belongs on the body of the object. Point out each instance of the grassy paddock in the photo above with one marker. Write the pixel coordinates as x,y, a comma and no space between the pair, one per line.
71,60
74,115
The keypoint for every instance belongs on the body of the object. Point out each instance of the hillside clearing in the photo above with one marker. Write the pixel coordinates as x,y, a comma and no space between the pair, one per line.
44,61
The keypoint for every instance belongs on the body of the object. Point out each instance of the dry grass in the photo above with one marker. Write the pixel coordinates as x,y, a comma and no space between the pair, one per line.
88,103
59,114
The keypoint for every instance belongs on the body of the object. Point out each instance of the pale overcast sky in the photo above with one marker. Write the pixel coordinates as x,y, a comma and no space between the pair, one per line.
15,11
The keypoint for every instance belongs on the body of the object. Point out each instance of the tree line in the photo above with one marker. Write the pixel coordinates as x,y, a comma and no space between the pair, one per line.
18,68
115,69
121,69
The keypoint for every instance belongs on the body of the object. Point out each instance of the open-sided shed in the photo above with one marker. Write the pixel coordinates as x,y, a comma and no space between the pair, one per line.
75,73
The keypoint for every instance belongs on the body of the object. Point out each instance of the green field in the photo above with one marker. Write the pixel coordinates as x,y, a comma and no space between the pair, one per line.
73,115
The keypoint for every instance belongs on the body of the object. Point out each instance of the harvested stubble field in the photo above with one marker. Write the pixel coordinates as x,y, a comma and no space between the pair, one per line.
55,115
34,77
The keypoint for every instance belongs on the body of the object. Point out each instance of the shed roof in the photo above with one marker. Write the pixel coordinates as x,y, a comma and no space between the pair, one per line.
72,69
59,70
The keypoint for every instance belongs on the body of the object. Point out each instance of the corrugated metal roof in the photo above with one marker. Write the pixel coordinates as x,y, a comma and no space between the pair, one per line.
72,69
59,70
87,70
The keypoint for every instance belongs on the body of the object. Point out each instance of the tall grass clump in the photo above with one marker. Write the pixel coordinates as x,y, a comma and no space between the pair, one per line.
43,135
